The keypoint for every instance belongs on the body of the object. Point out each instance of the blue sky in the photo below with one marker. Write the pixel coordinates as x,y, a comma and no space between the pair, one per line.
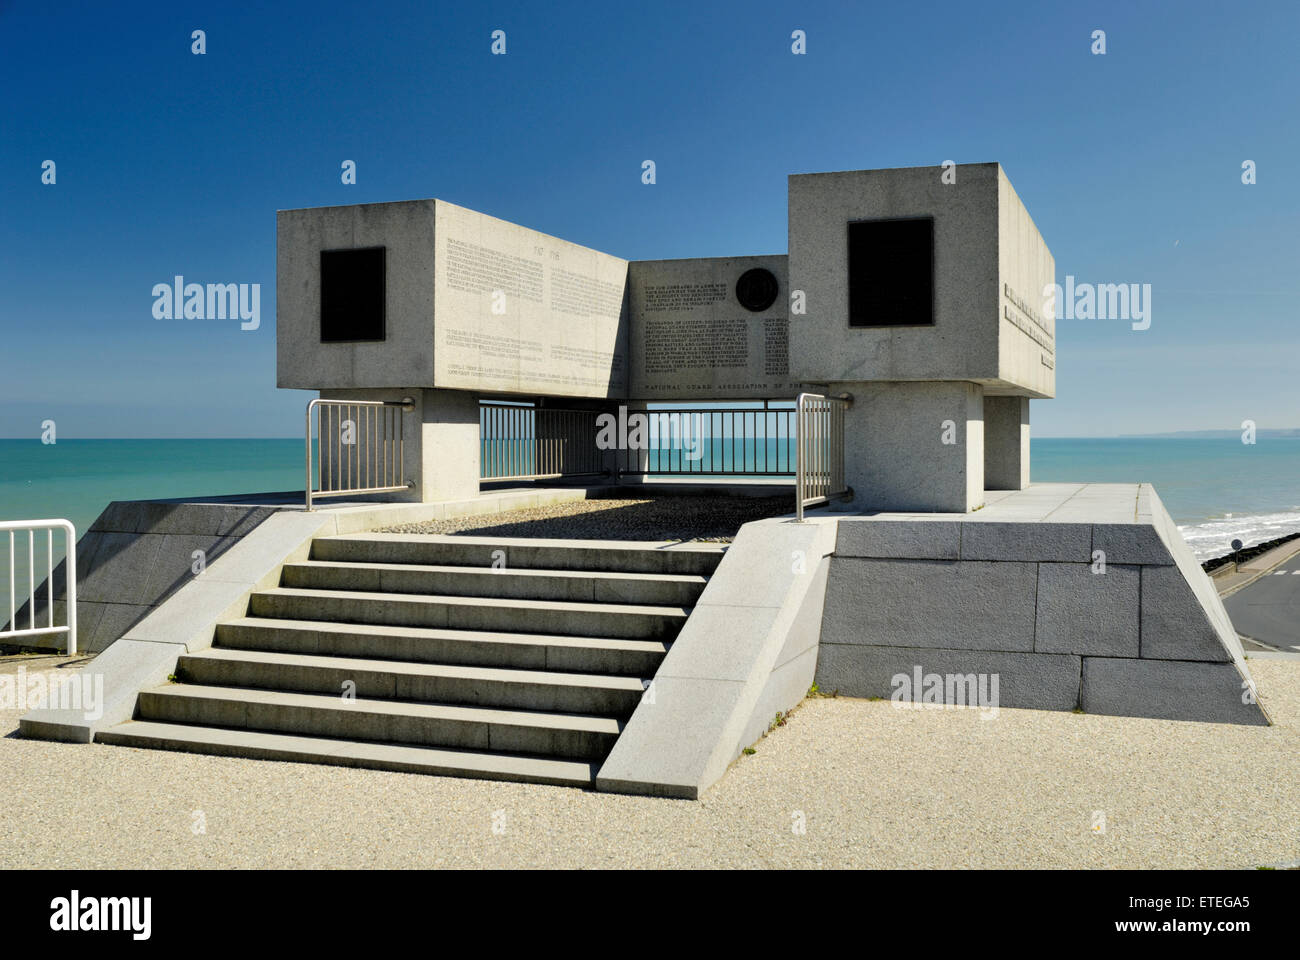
170,163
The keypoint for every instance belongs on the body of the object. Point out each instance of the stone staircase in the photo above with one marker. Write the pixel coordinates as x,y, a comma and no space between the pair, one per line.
416,653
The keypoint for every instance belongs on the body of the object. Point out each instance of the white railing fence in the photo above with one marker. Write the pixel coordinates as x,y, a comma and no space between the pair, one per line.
819,449
13,527
360,447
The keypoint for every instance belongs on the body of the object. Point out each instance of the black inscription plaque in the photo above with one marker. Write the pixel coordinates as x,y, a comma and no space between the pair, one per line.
891,273
756,289
352,295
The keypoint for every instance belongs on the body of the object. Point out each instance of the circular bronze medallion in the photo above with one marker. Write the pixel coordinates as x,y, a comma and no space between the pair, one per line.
756,289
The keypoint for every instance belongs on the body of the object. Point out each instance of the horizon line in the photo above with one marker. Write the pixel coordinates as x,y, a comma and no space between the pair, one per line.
1165,435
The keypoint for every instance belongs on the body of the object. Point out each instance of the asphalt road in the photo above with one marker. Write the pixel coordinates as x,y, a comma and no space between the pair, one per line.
1268,610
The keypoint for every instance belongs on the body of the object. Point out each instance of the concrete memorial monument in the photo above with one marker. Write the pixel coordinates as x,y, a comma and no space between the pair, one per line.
914,295
917,297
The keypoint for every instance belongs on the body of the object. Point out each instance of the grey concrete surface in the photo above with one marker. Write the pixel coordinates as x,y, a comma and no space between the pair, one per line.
531,651
261,539
1097,571
1169,689
968,604
133,557
123,669
915,446
471,303
365,669
1084,612
138,553
1028,680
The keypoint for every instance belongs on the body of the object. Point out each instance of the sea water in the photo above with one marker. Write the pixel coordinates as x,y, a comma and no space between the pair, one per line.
1218,491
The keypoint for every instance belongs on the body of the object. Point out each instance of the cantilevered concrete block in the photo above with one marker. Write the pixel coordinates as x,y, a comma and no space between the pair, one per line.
709,328
948,305
439,296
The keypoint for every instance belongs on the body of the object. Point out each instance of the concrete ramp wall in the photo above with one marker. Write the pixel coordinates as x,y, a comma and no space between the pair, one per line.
748,650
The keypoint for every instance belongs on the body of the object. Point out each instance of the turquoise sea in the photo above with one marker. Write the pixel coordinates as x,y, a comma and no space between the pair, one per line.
1217,490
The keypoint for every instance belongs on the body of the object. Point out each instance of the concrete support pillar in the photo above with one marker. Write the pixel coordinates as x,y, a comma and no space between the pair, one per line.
449,445
914,445
1006,443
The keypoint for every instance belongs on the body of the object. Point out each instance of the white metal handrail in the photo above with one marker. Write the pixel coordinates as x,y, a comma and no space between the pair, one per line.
70,535
363,442
819,449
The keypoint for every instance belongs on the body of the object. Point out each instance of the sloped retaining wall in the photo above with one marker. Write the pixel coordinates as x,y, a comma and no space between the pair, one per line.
134,556
1112,617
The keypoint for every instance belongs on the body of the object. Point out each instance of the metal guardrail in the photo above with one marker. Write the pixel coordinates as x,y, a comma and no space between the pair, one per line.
361,447
70,536
715,442
819,426
524,442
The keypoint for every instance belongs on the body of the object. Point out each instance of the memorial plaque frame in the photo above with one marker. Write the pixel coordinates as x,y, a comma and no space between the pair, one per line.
353,295
890,268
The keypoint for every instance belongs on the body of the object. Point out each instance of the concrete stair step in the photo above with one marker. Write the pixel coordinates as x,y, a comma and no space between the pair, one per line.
633,621
528,651
403,680
382,721
590,555
349,753
589,586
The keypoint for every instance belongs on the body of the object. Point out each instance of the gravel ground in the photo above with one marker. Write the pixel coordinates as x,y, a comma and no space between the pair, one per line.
876,786
712,518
